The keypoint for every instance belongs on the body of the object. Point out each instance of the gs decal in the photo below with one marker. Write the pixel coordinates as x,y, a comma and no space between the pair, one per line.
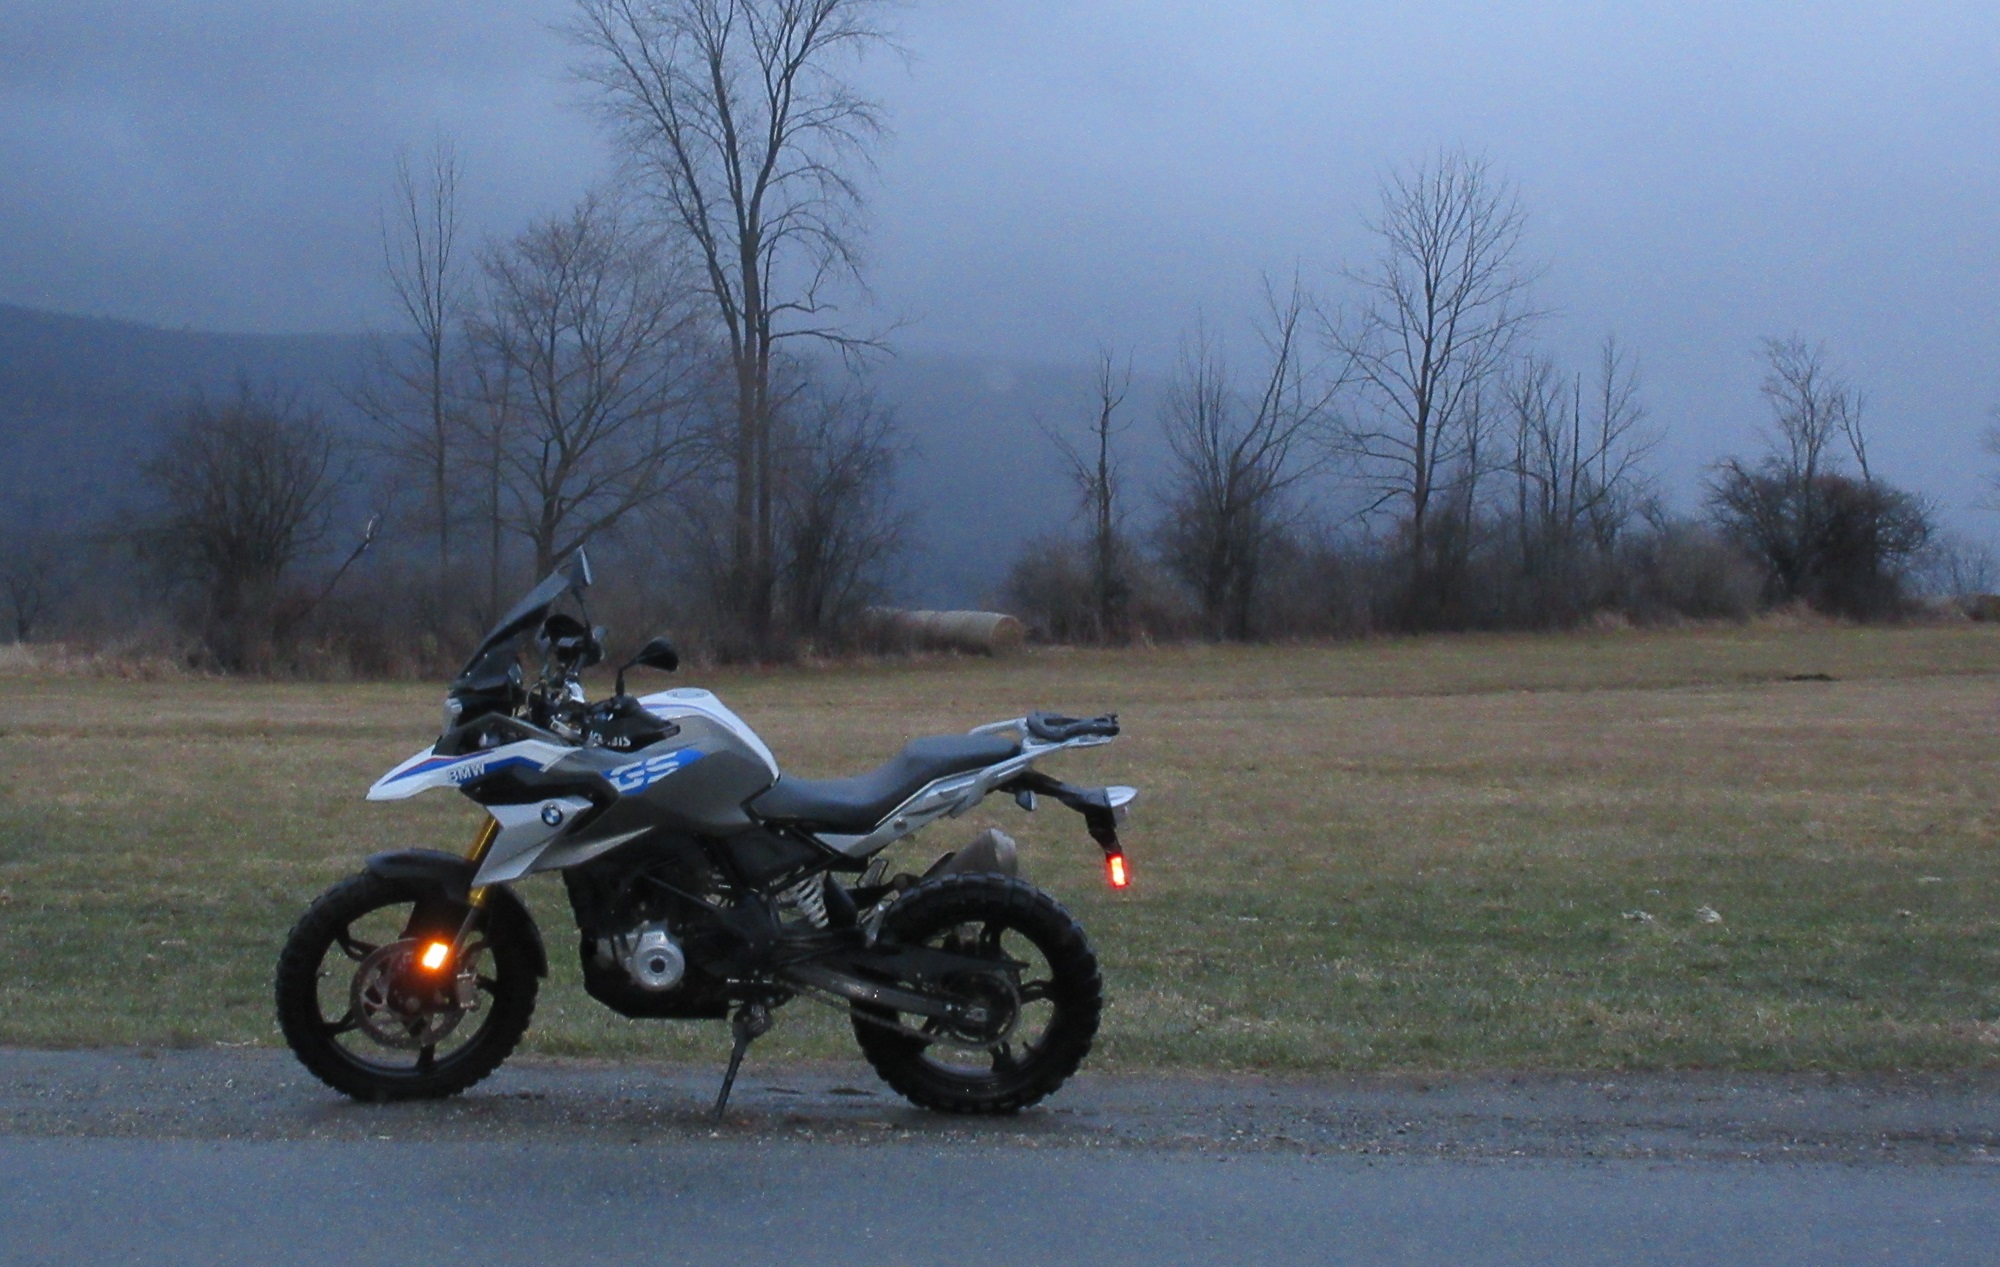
641,775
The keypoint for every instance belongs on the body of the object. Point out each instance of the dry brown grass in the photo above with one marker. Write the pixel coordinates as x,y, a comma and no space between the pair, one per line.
1427,853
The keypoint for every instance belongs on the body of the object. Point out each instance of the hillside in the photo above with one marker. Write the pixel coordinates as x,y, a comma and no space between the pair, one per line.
81,399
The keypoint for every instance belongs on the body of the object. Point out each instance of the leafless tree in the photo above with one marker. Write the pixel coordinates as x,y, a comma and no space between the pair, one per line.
1959,569
588,339
838,531
241,492
1777,503
1441,311
1821,535
1236,460
413,398
1990,441
488,419
1094,469
1813,409
1577,463
35,577
737,117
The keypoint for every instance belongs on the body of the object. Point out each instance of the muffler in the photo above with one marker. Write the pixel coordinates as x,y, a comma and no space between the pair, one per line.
992,852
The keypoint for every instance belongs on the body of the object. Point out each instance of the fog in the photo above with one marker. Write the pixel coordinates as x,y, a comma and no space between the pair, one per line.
1061,175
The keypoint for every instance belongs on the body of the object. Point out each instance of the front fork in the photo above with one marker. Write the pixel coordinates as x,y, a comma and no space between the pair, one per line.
440,957
477,854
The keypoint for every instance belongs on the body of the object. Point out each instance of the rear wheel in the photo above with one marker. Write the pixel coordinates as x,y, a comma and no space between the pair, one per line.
1039,1001
367,1019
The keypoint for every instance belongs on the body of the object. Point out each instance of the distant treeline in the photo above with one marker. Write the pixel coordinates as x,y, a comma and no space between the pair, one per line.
1402,457
662,375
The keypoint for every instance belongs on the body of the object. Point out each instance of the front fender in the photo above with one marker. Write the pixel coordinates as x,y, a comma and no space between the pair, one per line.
451,877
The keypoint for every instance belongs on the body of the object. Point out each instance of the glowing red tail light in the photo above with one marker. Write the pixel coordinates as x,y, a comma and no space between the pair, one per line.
1114,871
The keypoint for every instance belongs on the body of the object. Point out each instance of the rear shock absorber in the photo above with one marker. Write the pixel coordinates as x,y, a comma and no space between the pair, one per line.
808,898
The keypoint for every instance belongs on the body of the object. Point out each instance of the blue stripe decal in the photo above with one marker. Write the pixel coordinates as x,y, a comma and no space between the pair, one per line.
425,768
469,767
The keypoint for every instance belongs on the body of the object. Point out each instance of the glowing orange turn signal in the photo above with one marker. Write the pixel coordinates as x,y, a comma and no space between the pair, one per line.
1114,870
434,955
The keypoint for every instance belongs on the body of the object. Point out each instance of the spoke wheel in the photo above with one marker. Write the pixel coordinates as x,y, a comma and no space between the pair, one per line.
1037,1007
365,1020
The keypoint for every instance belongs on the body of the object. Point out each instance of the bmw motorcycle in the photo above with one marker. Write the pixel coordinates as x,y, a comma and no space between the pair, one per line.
705,883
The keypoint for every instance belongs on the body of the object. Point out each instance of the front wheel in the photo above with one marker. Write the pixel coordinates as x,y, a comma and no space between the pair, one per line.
1042,998
364,1016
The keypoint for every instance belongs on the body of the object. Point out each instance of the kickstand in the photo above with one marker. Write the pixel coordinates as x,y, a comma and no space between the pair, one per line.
753,1021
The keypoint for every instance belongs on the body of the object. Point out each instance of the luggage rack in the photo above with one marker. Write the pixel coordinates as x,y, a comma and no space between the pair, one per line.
1053,730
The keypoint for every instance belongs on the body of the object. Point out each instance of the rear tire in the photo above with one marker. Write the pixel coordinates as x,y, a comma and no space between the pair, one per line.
1059,991
327,952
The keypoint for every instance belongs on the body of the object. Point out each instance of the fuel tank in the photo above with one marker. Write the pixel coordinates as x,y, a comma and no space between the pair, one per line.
693,782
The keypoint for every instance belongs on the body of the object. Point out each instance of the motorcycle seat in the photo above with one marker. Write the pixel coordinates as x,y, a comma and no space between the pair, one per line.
860,804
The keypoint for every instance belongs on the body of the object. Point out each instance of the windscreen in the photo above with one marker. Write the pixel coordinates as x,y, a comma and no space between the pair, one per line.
487,669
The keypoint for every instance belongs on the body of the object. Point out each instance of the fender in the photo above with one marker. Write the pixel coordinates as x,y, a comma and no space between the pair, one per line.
451,877
1103,808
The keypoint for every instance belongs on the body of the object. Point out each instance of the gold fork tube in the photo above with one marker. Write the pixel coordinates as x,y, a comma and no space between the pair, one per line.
477,855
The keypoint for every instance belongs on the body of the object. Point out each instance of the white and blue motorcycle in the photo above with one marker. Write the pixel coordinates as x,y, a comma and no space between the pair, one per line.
706,885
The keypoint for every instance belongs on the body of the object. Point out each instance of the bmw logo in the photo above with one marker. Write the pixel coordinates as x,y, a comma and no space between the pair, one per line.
552,815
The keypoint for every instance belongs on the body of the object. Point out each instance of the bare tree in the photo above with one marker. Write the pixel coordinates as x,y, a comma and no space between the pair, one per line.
242,490
1813,409
1236,460
1839,543
1093,468
1777,504
1990,441
413,400
1442,309
489,425
589,345
35,577
838,531
1577,462
747,136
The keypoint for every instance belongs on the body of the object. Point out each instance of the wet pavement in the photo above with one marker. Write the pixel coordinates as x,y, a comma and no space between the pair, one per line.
224,1157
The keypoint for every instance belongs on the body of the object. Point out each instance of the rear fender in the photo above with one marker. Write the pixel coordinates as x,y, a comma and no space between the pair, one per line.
1102,807
449,878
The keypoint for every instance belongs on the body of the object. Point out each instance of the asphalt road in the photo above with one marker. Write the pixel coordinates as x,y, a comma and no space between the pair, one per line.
218,1157
68,1201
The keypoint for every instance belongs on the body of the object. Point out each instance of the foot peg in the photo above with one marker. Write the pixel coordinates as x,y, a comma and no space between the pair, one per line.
752,1022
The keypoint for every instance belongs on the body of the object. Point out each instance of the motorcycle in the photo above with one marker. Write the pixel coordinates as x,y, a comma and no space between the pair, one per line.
705,884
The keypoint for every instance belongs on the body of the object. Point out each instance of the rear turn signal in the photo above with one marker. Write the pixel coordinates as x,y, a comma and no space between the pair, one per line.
434,955
1114,871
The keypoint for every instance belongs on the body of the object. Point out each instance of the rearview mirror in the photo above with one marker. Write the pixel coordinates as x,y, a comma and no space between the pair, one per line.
657,654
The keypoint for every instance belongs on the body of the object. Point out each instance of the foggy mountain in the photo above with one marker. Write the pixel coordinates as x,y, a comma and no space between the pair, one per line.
81,400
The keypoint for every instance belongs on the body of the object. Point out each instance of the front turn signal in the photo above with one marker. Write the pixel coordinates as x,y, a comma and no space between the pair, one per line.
1114,870
435,955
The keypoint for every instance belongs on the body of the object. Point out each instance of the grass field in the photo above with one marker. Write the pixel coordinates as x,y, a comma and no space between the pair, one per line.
1448,853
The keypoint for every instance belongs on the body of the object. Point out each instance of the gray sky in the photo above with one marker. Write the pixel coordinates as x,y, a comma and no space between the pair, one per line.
1697,173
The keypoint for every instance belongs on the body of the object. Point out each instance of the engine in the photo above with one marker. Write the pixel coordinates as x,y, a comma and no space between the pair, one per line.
648,954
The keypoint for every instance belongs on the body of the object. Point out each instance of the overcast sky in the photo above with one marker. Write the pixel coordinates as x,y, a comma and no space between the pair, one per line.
1697,173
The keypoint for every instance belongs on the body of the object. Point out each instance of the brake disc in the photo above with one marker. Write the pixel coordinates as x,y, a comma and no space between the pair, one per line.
389,1011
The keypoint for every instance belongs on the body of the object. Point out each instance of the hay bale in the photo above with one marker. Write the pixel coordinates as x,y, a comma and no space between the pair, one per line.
974,633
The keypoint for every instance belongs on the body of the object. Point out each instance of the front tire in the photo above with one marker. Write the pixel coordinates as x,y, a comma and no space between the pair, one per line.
1039,949
339,965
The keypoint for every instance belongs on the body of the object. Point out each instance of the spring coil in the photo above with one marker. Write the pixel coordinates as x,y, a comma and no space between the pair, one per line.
808,898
